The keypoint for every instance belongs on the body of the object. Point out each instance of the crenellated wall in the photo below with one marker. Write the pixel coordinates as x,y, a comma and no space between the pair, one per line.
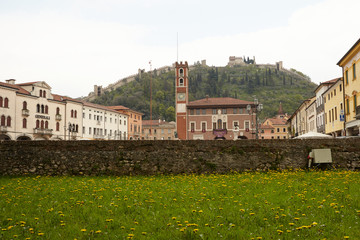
166,157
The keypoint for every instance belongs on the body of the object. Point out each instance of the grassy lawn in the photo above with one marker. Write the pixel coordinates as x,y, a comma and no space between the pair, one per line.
273,205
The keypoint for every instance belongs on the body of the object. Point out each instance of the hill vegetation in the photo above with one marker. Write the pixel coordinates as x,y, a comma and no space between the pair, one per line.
269,85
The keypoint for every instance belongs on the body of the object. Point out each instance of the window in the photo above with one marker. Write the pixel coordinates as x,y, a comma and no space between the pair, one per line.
1,102
192,127
124,124
46,109
235,123
181,82
224,125
197,111
72,113
278,137
83,130
57,126
214,125
46,125
203,126
332,112
191,111
203,112
24,105
58,111
329,116
8,122
75,114
42,109
346,77
44,94
37,124
354,72
340,86
278,129
2,120
83,115
6,103
235,110
335,113
355,102
224,111
347,106
241,111
219,124
40,93
169,130
162,131
42,124
272,131
262,131
214,111
284,129
181,72
89,116
89,130
334,92
24,122
247,125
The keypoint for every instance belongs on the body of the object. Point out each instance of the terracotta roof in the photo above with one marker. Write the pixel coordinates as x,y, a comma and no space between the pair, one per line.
330,82
278,121
218,102
266,126
120,107
15,86
154,122
27,83
94,105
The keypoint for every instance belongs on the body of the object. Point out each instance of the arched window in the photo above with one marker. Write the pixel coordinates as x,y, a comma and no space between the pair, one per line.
57,126
181,82
75,114
6,103
38,108
24,105
24,123
42,108
46,109
72,113
44,94
77,128
8,122
42,124
40,93
37,124
2,120
219,124
46,125
1,102
58,111
181,72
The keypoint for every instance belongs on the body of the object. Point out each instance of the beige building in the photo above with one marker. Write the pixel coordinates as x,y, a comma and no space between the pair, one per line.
298,121
276,127
334,109
158,130
30,111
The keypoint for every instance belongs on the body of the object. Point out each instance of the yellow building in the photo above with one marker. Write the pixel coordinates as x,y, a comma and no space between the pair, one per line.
350,64
334,109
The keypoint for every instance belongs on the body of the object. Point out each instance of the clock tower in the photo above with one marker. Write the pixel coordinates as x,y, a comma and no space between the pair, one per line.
181,98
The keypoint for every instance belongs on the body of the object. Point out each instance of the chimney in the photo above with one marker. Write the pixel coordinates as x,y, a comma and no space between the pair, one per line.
10,81
207,97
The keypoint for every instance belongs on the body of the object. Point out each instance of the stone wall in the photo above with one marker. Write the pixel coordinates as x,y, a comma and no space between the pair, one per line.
166,157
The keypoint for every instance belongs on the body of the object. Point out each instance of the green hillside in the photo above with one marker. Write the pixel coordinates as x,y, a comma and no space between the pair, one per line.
268,84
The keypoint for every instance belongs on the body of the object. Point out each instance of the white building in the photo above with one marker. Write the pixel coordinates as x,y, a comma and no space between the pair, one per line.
29,111
100,122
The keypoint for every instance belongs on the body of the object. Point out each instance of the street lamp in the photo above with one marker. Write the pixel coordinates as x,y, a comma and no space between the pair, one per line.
258,108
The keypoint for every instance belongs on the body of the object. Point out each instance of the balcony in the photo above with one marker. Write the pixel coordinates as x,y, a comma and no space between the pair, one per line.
58,117
43,131
98,136
25,112
3,129
220,132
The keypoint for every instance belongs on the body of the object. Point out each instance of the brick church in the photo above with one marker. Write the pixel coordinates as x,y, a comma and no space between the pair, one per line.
211,118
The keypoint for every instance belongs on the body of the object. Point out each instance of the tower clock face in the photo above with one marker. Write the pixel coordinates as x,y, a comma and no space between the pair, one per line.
181,96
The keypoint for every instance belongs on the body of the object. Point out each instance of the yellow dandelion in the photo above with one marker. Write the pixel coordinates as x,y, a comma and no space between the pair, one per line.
83,230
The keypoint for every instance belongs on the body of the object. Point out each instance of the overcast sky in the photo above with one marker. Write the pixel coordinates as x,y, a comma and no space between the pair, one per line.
75,44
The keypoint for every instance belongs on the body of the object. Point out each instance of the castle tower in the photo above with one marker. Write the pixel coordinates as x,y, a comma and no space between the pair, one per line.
181,98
